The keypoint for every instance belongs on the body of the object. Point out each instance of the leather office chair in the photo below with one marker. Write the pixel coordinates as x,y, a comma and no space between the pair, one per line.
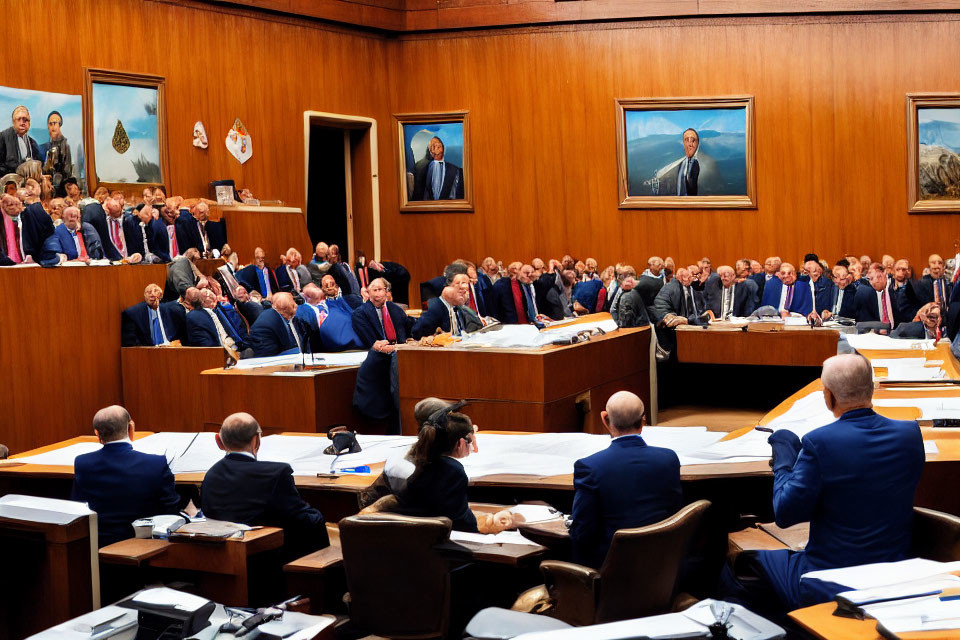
936,535
638,577
399,586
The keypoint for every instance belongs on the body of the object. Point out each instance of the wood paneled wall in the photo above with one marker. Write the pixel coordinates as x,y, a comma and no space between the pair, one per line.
830,131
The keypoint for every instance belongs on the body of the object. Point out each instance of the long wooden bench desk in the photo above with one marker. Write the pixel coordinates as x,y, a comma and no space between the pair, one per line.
785,347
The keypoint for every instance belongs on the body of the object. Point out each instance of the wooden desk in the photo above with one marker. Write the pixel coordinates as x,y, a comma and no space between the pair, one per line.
791,347
84,353
820,621
529,390
48,575
170,372
221,567
309,401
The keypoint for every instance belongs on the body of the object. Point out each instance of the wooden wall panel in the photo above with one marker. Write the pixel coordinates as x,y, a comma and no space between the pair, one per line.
60,347
830,131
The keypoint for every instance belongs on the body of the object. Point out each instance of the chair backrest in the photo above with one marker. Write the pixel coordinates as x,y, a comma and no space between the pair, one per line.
936,535
639,574
399,585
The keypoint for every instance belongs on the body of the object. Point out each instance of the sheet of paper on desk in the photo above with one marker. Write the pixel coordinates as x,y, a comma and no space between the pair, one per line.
931,408
907,372
670,625
508,336
166,597
64,456
868,576
46,510
297,626
80,628
168,443
504,537
533,513
874,341
750,446
289,448
916,614
200,456
903,589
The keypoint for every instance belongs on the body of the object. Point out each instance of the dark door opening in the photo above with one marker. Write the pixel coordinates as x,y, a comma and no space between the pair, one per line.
327,189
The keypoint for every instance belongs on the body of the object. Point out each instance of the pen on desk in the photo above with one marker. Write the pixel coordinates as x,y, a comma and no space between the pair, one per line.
764,429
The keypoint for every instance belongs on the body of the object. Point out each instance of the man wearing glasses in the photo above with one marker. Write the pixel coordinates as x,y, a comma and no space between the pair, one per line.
56,156
15,145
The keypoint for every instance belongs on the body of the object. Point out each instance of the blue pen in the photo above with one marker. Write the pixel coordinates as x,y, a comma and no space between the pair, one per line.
361,469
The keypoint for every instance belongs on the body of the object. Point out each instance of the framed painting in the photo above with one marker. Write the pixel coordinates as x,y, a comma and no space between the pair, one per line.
686,153
125,123
933,152
435,162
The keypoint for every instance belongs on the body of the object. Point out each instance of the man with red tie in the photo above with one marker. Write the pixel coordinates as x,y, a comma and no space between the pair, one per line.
934,287
877,302
78,241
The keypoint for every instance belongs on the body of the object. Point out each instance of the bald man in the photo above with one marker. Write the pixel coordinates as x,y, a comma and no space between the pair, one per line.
148,323
241,488
78,241
276,332
727,297
119,483
628,484
860,507
786,295
935,287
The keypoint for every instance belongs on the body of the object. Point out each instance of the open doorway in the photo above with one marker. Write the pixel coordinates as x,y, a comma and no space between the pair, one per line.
343,191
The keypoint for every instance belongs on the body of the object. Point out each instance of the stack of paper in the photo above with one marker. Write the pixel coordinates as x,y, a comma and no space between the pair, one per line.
874,341
504,537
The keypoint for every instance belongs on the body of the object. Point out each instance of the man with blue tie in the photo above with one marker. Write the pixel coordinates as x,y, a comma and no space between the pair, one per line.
785,295
312,314
859,509
689,170
934,287
629,484
843,295
448,313
275,332
438,179
148,323
120,483
821,289
78,241
258,276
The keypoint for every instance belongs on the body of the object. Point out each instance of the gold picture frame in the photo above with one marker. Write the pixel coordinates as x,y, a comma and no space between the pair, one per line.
930,168
142,100
651,152
415,135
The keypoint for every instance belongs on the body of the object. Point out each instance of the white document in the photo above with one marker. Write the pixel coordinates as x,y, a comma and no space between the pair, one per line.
902,590
533,513
45,510
930,446
202,454
504,537
913,373
345,359
916,614
874,341
795,321
881,574
80,628
169,444
507,336
670,625
166,597
61,457
930,408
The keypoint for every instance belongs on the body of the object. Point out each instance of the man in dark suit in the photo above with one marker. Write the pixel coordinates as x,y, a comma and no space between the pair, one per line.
198,231
688,172
905,289
210,325
876,303
632,310
678,302
78,241
480,287
120,484
182,274
842,296
726,297
380,325
240,488
148,323
437,179
30,231
146,236
275,332
258,276
292,276
629,484
248,308
785,295
821,289
929,326
449,309
860,512
515,299
16,145
771,267
96,216
934,287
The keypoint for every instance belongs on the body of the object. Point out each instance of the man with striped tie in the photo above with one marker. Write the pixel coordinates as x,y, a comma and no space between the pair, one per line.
934,287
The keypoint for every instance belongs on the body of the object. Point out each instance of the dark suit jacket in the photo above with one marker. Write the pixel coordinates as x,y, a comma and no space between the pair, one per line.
366,322
911,330
823,296
436,317
201,332
632,310
867,309
123,485
649,288
156,237
670,300
745,298
693,176
95,215
180,277
251,281
761,280
135,328
502,305
860,512
802,302
36,230
440,489
283,279
848,306
628,484
925,289
91,242
452,188
241,489
250,311
269,335
10,151
910,299
188,233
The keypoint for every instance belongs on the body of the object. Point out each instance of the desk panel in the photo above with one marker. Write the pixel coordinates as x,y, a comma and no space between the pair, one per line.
273,229
801,347
60,341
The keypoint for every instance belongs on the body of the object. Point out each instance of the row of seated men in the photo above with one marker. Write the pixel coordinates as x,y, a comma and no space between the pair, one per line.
157,230
859,512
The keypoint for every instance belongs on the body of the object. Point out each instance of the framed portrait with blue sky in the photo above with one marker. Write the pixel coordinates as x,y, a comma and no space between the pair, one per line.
125,121
434,162
686,153
933,152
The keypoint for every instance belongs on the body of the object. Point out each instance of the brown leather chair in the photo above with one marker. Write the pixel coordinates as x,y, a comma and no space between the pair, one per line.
638,577
399,586
936,535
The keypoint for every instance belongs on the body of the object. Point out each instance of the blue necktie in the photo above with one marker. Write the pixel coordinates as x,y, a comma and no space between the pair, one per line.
263,281
531,309
155,327
227,324
437,178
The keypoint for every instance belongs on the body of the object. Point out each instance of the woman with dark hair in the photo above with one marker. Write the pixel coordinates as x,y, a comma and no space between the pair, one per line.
438,485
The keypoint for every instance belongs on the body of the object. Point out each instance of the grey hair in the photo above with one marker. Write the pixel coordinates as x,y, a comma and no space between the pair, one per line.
849,377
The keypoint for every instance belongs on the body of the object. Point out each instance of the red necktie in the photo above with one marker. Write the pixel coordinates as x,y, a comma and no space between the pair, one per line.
115,235
473,300
83,248
174,251
364,277
518,300
885,317
388,329
601,299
